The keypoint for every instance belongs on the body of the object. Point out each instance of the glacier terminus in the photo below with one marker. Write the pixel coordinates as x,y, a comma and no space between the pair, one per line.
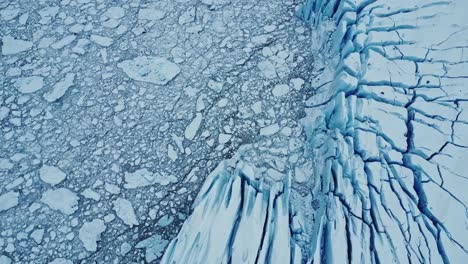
232,132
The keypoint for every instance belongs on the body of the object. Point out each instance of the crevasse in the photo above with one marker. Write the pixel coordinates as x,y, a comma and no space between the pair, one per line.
386,131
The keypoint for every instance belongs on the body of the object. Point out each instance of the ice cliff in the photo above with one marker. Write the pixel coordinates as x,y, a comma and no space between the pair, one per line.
387,138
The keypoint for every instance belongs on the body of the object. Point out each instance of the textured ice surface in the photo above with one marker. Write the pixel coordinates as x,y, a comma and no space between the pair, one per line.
220,131
387,176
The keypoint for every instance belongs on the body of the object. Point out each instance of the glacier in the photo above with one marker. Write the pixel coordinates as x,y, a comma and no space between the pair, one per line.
386,140
221,131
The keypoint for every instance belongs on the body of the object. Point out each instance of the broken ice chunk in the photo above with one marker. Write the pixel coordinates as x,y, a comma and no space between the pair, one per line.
269,130
61,261
14,46
280,90
90,234
37,235
60,88
8,200
61,199
5,260
268,69
124,210
154,247
192,128
63,42
29,84
155,70
215,86
151,14
51,175
91,194
224,138
9,13
115,12
102,41
143,177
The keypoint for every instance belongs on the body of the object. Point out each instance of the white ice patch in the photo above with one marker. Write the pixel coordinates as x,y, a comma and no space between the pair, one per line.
154,247
61,261
280,90
5,260
155,70
37,235
29,84
61,199
91,194
124,210
60,88
192,128
51,175
63,42
90,234
224,138
269,130
101,41
115,12
8,200
268,69
143,177
150,14
14,46
6,164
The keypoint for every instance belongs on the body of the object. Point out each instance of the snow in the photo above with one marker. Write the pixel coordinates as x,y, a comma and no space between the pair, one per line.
156,70
51,175
192,129
8,200
124,210
12,46
29,84
90,234
61,199
143,177
60,88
